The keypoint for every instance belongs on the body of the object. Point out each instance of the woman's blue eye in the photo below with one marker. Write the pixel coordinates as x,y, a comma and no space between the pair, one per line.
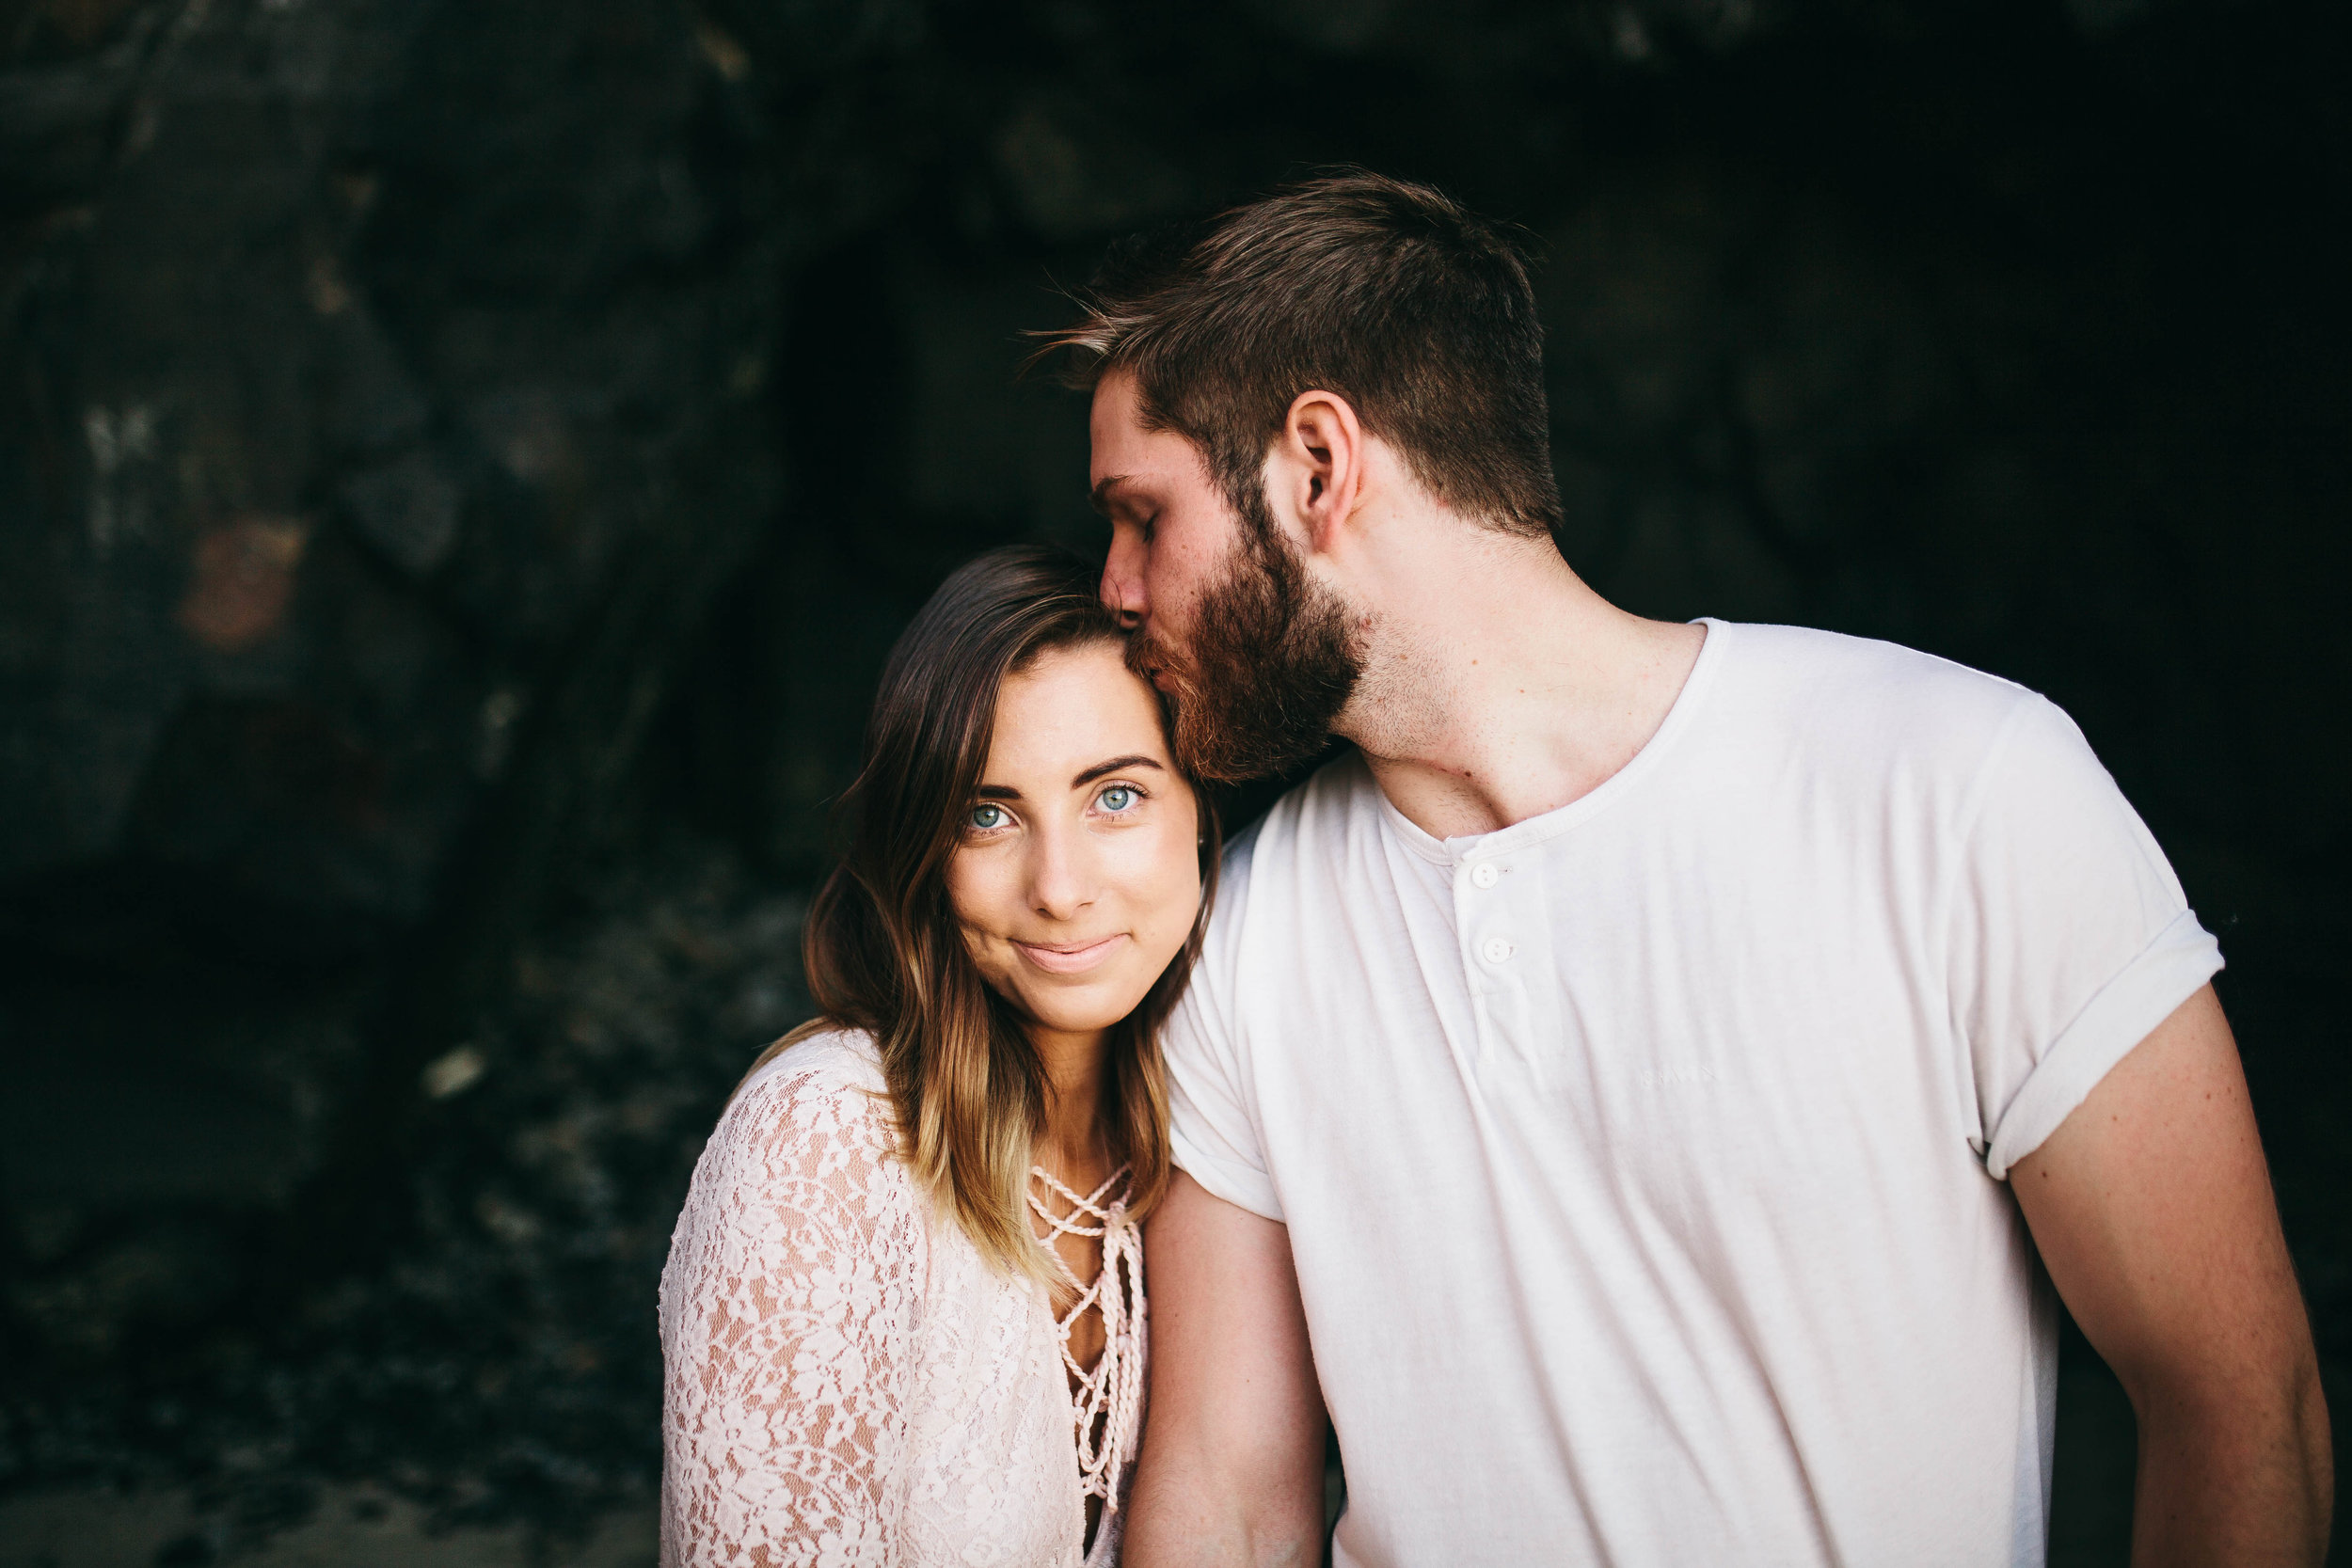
1119,798
986,815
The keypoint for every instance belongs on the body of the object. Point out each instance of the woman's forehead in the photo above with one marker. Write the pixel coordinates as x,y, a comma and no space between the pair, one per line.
1071,708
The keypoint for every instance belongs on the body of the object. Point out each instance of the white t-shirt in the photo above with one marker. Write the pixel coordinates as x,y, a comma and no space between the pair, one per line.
1642,1161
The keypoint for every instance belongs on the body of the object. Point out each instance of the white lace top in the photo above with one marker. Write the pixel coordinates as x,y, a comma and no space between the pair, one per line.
847,1379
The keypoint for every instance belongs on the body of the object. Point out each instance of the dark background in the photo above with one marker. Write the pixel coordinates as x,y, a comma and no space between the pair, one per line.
462,461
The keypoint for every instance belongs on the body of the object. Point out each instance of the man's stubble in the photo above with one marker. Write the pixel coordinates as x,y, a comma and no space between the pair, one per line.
1273,661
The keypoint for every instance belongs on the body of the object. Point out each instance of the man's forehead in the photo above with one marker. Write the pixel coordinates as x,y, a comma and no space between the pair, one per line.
1128,455
1114,426
1122,468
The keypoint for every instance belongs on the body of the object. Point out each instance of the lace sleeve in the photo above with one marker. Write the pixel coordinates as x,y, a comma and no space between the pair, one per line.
789,1309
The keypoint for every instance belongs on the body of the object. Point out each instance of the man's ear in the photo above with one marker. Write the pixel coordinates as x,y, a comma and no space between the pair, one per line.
1316,474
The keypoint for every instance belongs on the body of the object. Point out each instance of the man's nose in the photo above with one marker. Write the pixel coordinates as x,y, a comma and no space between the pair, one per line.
1122,576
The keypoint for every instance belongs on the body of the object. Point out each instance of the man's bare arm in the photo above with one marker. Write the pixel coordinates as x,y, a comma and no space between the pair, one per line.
2153,1209
1232,1469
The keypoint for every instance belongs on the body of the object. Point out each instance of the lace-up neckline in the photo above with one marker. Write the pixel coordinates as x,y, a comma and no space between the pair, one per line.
1104,1399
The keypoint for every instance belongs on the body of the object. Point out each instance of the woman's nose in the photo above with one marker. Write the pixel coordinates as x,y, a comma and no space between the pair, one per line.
1059,883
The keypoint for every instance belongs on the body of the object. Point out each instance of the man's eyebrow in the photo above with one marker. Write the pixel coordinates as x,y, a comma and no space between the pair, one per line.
1101,495
1114,765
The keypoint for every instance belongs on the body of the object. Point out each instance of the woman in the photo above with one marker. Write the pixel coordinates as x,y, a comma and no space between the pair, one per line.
902,1318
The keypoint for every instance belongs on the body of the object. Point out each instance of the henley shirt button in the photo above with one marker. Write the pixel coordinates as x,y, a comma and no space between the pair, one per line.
1485,874
1497,950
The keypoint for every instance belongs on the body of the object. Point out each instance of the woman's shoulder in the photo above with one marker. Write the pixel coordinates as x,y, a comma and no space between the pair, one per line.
825,1062
820,1103
805,1156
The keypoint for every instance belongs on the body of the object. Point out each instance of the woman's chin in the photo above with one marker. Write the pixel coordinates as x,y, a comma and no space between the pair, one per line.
1084,1008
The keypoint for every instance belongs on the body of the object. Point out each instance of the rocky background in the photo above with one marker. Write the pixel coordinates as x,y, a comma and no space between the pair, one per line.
462,461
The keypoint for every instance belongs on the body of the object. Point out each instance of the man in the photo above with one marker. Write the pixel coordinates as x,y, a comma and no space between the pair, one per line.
1631,1091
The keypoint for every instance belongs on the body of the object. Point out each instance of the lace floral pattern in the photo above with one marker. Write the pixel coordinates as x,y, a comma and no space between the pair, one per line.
847,1383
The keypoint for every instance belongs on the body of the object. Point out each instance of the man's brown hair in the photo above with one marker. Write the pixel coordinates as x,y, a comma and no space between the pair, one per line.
1386,292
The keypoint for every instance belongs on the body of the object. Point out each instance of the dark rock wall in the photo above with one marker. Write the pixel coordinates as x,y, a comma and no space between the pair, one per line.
461,465
382,415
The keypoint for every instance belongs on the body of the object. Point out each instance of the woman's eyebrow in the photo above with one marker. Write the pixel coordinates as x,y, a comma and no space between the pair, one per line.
1112,767
996,792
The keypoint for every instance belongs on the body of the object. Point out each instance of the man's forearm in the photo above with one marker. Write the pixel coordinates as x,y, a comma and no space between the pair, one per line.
2234,1478
1180,1516
1231,1475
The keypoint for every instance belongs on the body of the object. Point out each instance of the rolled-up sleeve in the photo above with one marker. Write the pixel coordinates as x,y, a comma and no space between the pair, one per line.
2071,937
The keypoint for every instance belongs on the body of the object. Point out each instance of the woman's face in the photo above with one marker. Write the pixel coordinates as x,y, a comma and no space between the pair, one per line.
1079,871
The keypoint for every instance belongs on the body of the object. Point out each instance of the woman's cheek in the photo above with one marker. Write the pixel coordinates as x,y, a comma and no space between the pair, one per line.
1177,891
981,893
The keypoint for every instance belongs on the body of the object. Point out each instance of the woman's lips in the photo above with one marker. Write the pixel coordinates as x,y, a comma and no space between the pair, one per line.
1069,958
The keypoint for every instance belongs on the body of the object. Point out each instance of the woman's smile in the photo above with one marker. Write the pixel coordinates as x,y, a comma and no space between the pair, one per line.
1071,957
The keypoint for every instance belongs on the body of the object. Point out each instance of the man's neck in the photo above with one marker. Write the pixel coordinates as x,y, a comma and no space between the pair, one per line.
1498,685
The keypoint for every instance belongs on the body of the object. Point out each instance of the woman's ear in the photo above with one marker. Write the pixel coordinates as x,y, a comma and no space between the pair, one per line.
1315,473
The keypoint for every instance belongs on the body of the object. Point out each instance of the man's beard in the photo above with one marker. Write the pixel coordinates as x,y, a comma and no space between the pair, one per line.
1272,662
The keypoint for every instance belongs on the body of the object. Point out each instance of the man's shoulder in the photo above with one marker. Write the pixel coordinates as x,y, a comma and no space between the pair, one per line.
1861,696
1337,797
1301,839
1859,665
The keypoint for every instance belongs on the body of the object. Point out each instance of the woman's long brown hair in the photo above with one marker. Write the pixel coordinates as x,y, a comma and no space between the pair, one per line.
882,950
